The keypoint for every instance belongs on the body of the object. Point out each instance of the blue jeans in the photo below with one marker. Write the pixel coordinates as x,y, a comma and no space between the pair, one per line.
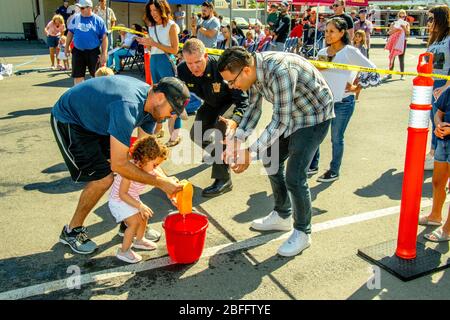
344,111
290,189
437,84
161,67
114,59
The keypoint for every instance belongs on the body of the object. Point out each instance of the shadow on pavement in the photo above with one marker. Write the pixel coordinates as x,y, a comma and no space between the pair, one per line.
29,112
60,186
390,184
61,83
227,276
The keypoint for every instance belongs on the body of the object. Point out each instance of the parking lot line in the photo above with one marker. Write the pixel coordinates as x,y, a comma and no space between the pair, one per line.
48,287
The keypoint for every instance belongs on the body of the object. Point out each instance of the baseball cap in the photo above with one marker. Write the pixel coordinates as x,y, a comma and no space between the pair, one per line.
285,3
177,94
84,3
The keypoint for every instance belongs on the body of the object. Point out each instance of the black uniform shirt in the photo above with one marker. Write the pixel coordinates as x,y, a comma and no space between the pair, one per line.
213,90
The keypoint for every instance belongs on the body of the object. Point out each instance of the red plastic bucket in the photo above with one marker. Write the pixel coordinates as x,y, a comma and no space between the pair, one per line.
185,237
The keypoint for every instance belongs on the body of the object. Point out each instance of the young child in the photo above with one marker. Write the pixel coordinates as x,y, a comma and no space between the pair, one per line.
62,54
103,72
248,40
359,42
124,202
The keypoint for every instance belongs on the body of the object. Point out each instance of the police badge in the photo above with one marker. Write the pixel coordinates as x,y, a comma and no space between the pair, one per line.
216,87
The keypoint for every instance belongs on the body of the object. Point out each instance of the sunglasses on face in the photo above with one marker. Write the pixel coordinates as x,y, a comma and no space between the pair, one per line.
335,5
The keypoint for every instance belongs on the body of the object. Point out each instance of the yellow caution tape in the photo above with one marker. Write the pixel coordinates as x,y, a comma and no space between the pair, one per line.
118,28
341,66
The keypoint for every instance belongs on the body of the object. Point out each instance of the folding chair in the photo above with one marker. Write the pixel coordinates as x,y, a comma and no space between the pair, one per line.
130,58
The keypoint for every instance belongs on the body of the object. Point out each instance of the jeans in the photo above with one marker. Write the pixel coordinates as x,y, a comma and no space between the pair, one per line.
161,67
290,189
344,111
114,59
437,84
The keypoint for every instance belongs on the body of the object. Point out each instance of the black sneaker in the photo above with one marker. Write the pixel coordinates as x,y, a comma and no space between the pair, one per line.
313,171
328,176
78,240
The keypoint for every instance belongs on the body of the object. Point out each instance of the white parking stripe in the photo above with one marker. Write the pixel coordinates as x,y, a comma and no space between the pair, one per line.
128,270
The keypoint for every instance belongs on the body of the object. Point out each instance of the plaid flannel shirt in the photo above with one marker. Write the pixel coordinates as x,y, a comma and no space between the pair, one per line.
300,96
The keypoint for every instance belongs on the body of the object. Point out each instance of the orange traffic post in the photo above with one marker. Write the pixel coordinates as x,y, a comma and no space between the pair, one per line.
419,118
148,75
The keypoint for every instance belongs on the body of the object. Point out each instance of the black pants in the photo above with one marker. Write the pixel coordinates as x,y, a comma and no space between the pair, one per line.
207,118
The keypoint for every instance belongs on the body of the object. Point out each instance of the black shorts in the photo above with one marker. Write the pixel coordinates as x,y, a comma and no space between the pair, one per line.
82,59
85,153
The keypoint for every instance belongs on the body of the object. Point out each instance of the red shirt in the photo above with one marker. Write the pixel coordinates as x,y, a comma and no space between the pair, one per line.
297,31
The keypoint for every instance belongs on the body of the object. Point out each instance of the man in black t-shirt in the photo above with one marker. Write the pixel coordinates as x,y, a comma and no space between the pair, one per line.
282,27
339,11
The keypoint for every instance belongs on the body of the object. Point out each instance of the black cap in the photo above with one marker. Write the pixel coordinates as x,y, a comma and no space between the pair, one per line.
177,94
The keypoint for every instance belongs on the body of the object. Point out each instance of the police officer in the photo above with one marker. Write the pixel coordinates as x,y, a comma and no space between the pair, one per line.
199,72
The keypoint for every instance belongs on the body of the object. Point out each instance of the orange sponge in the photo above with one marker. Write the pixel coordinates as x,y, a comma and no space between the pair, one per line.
184,197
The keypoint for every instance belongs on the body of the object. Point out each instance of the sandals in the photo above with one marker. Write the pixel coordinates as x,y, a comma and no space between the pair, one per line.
173,143
160,134
437,236
423,221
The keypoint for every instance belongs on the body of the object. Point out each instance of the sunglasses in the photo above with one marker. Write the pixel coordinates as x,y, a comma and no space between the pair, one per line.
335,5
82,8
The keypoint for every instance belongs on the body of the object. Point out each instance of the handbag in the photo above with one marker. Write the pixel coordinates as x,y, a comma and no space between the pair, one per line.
171,57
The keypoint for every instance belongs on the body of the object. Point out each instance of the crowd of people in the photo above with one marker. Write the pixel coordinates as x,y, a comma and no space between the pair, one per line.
94,121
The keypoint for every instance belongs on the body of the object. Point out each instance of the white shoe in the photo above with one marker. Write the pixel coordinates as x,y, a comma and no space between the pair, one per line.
273,222
296,243
429,163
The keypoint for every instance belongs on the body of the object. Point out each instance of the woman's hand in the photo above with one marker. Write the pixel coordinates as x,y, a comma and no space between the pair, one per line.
437,93
352,88
149,42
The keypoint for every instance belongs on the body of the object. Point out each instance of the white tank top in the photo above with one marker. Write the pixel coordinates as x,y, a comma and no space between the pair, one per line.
163,35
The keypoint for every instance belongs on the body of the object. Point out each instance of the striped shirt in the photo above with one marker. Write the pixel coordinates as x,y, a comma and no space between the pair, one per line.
299,93
136,188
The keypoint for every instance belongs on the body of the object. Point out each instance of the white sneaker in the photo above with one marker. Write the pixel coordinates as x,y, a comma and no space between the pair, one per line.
429,163
273,222
296,243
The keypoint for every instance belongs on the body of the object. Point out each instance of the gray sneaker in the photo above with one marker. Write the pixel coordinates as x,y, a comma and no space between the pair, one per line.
78,240
151,234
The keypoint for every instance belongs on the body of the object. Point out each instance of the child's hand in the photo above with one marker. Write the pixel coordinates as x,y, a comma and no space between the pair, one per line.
145,212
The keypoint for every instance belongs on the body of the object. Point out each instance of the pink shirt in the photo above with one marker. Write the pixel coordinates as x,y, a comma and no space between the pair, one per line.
53,30
136,188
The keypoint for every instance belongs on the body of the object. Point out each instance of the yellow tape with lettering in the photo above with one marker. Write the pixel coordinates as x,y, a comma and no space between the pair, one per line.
340,66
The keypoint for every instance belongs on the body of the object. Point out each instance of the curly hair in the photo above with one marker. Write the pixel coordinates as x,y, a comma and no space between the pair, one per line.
148,149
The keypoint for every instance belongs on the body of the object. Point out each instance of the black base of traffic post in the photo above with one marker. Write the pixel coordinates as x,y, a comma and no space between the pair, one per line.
427,261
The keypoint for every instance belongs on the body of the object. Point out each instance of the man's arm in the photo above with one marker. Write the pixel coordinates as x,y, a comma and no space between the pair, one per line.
104,53
240,100
121,165
68,41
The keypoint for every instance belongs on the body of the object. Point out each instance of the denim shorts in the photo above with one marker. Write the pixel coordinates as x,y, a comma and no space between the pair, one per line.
52,42
442,152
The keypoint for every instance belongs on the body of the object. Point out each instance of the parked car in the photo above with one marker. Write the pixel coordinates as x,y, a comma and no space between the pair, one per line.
241,22
253,21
